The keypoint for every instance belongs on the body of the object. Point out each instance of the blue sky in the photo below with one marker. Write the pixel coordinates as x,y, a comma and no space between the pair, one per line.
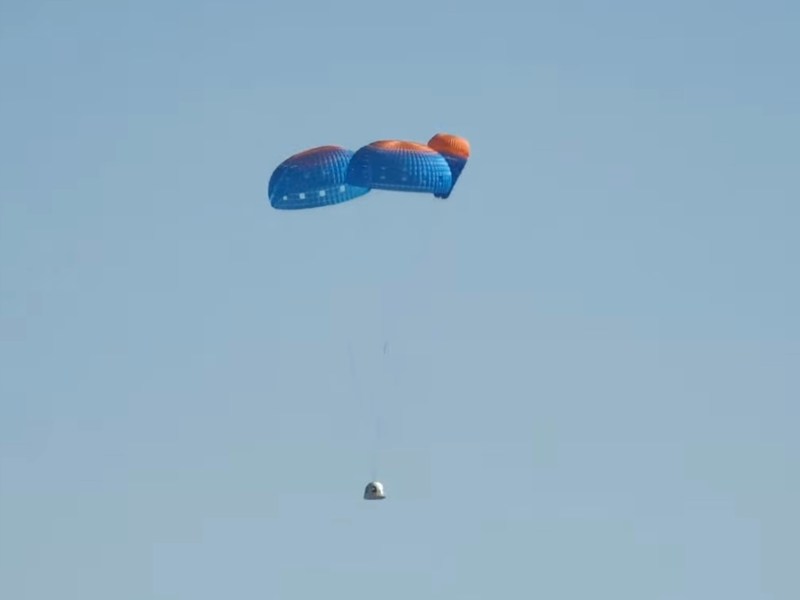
591,379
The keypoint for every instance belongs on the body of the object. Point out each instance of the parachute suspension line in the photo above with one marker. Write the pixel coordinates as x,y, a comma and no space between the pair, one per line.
359,399
385,395
386,392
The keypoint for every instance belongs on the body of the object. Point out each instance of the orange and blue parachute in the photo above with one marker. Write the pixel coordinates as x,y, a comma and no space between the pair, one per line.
313,178
400,166
456,152
331,174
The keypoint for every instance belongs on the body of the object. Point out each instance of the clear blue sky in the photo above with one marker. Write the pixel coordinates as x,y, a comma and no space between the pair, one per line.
591,384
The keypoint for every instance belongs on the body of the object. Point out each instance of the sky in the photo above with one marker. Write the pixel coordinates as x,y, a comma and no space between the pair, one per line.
577,377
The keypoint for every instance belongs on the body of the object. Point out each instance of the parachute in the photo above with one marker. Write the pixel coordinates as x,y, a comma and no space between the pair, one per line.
328,175
400,166
313,178
456,152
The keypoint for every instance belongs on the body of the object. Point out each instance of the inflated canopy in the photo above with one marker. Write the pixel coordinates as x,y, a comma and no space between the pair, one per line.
313,178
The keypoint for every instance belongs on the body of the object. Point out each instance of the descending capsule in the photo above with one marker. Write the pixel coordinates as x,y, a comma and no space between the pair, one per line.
313,178
374,491
456,152
400,166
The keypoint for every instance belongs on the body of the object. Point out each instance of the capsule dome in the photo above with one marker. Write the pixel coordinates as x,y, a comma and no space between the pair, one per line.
374,491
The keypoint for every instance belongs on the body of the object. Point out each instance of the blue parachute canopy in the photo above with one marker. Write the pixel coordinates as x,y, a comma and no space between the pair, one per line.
313,178
400,166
